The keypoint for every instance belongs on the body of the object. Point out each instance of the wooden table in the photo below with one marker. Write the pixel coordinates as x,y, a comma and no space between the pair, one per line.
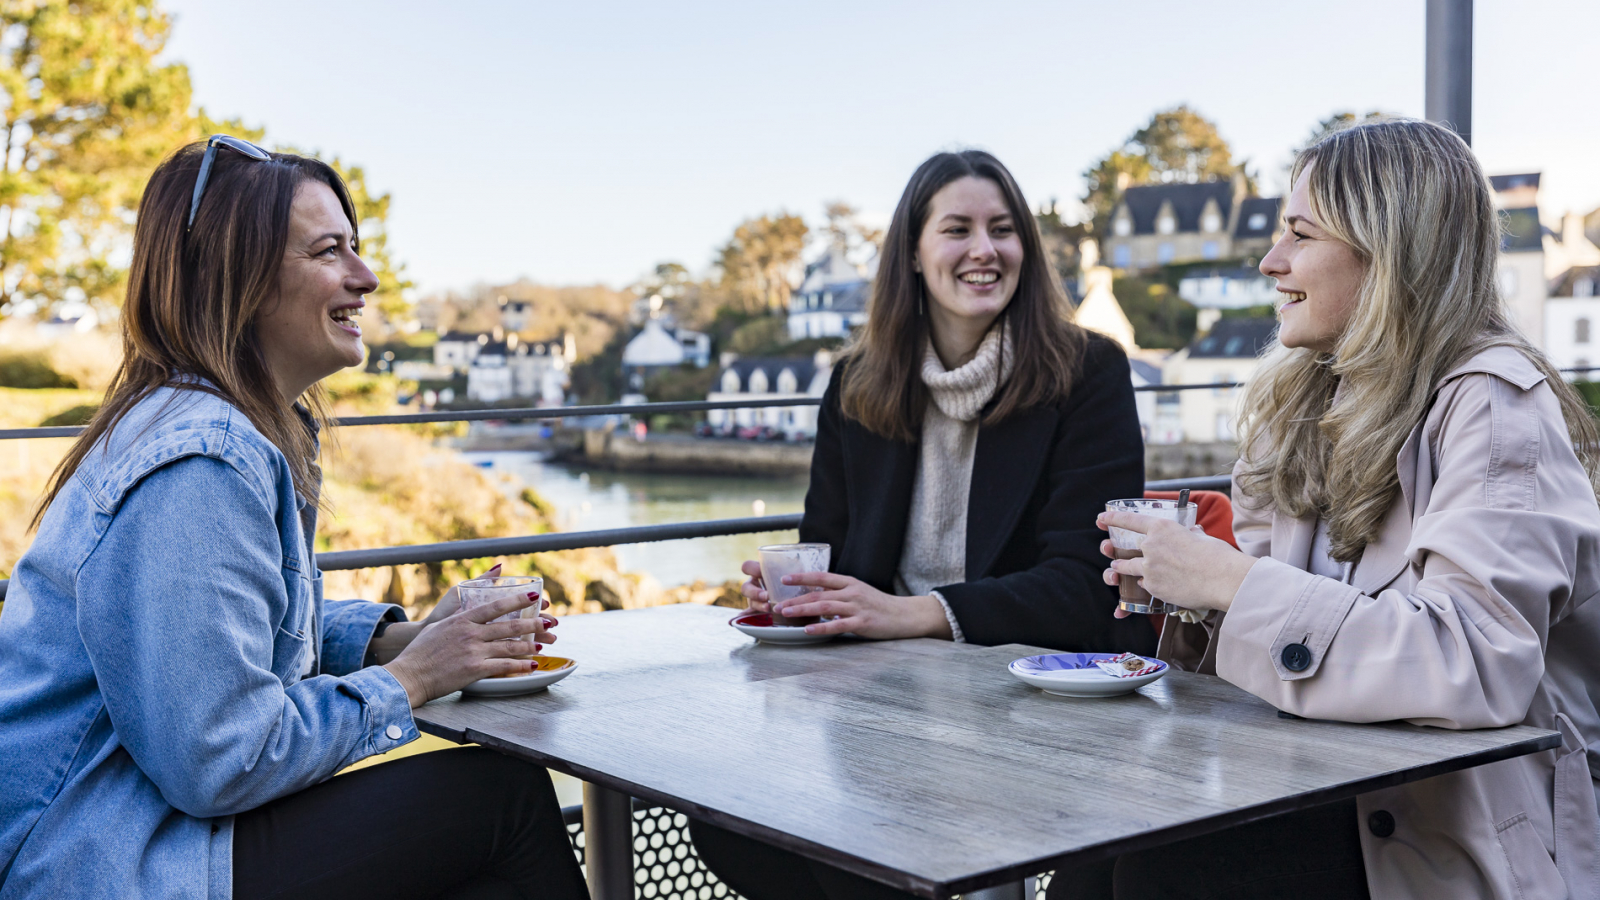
922,764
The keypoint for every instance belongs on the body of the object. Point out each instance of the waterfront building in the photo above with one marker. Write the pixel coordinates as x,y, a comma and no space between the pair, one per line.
1168,224
1572,321
1522,264
512,369
655,348
832,298
771,378
457,349
1228,354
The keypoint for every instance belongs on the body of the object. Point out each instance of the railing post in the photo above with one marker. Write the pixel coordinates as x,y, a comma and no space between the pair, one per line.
608,842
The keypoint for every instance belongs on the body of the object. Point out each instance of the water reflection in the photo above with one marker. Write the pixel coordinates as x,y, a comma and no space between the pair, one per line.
593,499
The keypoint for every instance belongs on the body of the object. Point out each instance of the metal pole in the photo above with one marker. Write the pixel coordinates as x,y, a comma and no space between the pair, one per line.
608,843
1448,85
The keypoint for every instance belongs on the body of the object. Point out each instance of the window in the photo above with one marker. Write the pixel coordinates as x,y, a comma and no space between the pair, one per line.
1581,364
787,383
1209,250
1123,226
758,382
1211,221
1122,256
1580,331
1257,222
1166,224
730,382
1164,253
1583,287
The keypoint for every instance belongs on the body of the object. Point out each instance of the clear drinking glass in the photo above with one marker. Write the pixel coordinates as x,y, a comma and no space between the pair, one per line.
477,592
1126,544
778,560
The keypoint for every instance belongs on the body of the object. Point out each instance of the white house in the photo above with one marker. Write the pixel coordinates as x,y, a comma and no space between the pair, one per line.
458,349
654,348
1100,310
513,369
832,298
1228,354
1572,322
772,378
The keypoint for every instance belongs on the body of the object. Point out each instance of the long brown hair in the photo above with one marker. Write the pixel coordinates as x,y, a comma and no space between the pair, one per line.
194,299
1409,198
882,386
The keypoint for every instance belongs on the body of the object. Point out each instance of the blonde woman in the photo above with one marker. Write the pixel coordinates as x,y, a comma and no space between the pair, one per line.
1417,516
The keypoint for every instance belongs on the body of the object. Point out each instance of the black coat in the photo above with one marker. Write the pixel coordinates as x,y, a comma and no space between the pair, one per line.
1039,478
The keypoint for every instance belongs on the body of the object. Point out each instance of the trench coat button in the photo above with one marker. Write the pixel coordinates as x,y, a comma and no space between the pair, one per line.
393,732
1380,823
1296,657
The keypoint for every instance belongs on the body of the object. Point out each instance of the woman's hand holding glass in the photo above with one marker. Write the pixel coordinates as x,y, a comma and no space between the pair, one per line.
1185,567
859,608
465,646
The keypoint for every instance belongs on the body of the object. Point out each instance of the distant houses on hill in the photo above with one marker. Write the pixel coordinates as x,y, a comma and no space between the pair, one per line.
771,378
832,298
1167,224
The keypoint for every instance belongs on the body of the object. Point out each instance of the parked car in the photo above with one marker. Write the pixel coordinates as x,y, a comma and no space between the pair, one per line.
758,433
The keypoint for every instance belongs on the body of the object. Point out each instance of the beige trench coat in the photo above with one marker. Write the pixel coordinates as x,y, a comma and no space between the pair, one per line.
1470,611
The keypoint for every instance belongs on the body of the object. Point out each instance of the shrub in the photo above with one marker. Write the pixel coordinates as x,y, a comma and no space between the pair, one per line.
77,415
30,370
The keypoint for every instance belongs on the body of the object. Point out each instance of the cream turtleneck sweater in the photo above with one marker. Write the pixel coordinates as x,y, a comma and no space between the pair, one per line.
935,550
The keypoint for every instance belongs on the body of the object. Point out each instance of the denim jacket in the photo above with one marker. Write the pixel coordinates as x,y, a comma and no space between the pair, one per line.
152,653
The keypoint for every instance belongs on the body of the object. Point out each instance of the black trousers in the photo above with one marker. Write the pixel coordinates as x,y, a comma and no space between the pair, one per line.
1314,854
460,823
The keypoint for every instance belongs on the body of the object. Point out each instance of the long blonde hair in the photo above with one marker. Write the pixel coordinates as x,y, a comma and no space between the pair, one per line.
1409,199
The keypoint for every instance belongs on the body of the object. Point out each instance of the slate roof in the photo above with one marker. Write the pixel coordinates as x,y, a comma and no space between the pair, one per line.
1563,286
1520,231
847,298
1148,373
1508,182
803,367
1188,201
464,337
1252,206
1235,339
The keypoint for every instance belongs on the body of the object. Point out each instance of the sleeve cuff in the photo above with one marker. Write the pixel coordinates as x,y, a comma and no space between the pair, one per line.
950,617
1284,616
387,708
347,630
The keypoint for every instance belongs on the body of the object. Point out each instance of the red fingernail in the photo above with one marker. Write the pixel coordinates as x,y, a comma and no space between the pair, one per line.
495,570
537,647
533,595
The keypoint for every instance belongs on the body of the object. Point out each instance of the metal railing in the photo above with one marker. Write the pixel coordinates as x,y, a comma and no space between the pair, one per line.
412,554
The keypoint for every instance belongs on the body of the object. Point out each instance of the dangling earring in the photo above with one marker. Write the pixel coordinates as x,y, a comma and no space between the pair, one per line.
921,292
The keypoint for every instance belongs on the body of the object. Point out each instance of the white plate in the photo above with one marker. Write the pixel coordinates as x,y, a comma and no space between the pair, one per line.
1086,681
521,684
790,635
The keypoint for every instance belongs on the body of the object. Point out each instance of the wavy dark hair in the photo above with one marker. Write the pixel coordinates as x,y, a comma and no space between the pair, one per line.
195,295
882,387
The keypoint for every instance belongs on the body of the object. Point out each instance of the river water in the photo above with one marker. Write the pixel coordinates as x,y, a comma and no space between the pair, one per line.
591,499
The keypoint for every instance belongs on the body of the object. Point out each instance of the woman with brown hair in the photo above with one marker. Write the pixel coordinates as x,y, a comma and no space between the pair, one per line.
1418,540
968,439
174,691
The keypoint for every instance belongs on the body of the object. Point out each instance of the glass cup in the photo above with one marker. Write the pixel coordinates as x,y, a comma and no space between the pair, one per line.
475,592
778,560
1126,544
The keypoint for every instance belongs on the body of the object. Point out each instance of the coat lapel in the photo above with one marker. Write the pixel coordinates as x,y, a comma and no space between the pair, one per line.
887,472
1005,472
1382,561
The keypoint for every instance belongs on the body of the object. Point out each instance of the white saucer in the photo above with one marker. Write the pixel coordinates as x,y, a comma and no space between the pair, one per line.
1075,675
523,684
789,635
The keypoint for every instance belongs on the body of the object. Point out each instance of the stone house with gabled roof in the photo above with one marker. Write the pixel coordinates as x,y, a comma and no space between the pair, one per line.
1163,224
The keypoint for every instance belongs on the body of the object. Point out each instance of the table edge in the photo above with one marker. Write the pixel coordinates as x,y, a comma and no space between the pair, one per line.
940,890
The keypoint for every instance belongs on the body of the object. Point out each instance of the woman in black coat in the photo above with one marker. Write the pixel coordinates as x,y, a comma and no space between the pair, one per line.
964,448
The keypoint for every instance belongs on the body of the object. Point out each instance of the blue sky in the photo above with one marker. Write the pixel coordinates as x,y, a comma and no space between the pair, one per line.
582,142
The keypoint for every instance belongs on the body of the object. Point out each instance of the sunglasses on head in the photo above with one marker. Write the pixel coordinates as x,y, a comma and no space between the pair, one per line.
220,140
